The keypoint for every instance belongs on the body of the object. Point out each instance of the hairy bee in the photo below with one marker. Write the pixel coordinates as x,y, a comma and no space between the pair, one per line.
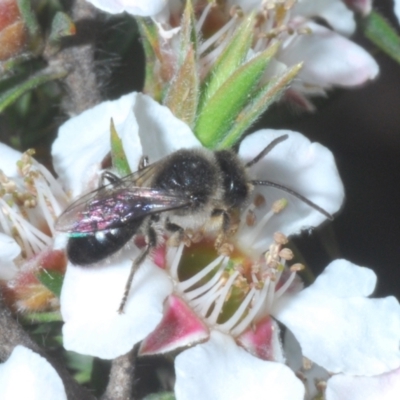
183,190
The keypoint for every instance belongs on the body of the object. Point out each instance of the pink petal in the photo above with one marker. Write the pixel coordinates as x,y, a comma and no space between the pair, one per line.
262,340
179,327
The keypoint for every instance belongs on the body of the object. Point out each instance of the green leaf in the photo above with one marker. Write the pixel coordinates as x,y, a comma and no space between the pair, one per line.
8,97
53,280
118,156
182,96
153,85
221,111
230,59
378,30
269,94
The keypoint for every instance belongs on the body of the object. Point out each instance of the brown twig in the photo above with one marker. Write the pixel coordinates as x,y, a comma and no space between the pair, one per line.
12,334
120,385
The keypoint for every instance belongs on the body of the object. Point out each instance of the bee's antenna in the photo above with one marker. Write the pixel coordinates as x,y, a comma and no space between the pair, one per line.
293,193
266,150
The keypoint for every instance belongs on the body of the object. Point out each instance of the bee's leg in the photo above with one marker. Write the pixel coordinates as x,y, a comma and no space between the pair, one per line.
108,177
178,234
143,162
227,226
151,242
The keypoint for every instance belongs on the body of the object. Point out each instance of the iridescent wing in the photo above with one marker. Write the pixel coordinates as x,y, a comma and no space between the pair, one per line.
118,203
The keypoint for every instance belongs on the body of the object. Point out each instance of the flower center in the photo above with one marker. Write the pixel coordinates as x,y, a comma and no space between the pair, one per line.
231,292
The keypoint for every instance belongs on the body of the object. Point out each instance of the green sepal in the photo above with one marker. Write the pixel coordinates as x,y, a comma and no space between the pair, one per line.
188,35
41,317
182,97
221,111
118,156
53,280
229,60
32,25
61,26
378,30
153,85
11,95
160,396
258,105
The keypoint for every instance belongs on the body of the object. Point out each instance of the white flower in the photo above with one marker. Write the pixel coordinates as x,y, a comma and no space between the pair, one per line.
30,201
26,375
397,9
135,7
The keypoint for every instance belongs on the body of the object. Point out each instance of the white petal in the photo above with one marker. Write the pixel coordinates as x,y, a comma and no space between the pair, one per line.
219,370
338,327
397,9
28,376
9,251
338,16
134,7
161,133
83,141
92,295
380,387
8,160
329,59
308,168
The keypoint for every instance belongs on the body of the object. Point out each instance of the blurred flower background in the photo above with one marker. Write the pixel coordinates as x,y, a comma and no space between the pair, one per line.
361,126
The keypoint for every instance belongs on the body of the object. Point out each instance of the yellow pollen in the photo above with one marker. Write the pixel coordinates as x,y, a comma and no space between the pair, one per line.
280,238
297,267
286,254
279,205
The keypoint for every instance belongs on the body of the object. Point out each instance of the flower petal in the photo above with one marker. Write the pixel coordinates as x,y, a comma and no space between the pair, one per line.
329,59
308,168
380,387
90,299
179,327
9,251
134,7
161,133
26,375
84,141
338,16
219,369
8,160
336,325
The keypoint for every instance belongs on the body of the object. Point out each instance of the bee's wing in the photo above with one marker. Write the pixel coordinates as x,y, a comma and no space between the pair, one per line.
95,212
118,203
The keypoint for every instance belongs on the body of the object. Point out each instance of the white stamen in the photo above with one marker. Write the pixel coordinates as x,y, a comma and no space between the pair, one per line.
207,286
285,286
260,302
200,275
232,321
212,319
203,16
175,262
210,41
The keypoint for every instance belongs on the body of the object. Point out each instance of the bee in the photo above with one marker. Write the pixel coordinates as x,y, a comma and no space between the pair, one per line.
181,191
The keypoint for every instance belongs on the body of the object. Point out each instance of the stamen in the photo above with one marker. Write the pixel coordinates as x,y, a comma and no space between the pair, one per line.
253,312
175,261
228,325
285,286
203,16
200,275
212,319
207,286
217,35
